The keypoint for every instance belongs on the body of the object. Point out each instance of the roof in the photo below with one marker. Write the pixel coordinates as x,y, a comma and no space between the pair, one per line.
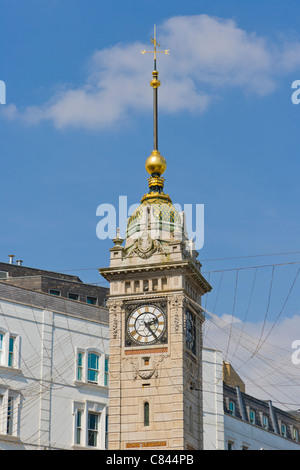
46,301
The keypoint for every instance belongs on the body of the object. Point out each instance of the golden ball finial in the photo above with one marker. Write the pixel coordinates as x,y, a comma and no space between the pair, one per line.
155,163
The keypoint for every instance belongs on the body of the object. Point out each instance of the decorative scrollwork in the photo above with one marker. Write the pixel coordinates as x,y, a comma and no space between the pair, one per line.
145,247
176,303
146,375
115,308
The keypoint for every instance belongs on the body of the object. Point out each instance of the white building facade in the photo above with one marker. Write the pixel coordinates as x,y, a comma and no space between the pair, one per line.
233,420
53,372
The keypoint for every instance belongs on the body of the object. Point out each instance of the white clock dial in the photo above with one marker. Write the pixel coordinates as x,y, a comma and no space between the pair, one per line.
146,324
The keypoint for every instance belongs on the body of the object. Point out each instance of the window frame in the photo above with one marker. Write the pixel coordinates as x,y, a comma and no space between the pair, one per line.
10,416
11,351
10,357
95,370
253,419
231,410
93,431
80,366
146,413
106,371
2,348
73,293
101,373
265,422
84,408
283,430
10,401
295,434
91,297
51,292
78,426
230,444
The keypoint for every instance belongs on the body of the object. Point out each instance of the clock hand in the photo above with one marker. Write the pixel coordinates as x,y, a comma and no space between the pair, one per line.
150,329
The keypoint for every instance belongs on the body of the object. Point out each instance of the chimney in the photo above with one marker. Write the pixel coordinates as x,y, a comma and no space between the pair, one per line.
11,259
19,262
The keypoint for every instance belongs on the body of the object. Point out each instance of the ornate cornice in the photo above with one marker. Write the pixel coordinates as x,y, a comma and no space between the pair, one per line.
118,272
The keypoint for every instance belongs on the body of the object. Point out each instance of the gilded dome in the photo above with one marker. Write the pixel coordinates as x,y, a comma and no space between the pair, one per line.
154,213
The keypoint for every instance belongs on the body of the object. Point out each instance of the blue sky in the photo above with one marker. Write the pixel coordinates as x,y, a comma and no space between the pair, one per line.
77,128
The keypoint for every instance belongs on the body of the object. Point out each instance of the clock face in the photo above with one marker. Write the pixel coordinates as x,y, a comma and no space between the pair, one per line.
146,324
190,332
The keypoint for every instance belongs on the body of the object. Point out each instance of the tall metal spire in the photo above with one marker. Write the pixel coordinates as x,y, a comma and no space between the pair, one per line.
155,83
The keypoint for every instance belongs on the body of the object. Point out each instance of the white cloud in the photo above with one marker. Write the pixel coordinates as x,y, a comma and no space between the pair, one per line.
208,55
264,361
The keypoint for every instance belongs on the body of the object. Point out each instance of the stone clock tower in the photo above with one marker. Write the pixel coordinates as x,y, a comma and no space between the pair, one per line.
155,397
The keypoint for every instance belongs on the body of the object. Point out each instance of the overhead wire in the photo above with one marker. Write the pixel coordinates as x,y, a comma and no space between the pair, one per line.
267,310
233,310
232,328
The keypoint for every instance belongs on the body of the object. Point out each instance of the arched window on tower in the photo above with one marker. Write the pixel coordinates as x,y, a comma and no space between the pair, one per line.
146,414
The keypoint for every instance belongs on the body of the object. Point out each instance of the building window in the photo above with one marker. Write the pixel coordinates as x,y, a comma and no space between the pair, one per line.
93,419
230,445
1,348
265,422
283,430
9,421
11,351
295,435
90,424
232,408
127,287
106,431
146,414
54,292
72,296
252,417
9,346
78,426
106,361
93,367
80,366
91,300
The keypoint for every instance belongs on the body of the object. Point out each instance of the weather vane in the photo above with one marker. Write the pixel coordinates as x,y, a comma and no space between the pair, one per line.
155,43
155,83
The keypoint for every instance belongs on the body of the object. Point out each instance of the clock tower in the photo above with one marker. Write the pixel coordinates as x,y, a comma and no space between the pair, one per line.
155,374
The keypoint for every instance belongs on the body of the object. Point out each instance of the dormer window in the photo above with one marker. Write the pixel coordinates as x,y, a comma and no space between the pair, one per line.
54,292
